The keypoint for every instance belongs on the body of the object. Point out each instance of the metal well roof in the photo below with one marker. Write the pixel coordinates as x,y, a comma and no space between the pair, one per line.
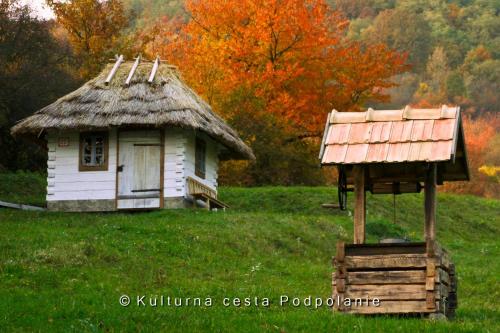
391,136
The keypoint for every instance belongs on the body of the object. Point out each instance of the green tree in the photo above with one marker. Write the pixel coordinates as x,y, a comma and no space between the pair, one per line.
437,72
481,82
361,8
144,12
455,86
404,31
33,73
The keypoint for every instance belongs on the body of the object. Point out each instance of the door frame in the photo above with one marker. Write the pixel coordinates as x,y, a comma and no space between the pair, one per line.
162,163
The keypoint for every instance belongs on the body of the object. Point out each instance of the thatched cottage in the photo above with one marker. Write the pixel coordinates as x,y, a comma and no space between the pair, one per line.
134,137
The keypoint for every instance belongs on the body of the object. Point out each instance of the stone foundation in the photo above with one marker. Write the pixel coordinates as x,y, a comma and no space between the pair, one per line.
108,205
82,205
177,202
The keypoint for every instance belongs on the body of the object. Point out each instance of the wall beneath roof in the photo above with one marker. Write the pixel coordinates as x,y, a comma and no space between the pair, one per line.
212,160
180,164
72,190
66,183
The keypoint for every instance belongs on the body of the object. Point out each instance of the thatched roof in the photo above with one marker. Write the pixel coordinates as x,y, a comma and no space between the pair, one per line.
166,101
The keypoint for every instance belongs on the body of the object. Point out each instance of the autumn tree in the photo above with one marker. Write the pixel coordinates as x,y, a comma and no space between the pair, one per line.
94,27
291,54
290,58
452,46
481,138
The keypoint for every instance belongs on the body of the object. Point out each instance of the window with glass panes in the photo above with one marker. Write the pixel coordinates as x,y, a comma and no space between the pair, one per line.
93,151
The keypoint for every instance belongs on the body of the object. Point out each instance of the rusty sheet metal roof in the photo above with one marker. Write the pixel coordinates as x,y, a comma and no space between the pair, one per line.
391,136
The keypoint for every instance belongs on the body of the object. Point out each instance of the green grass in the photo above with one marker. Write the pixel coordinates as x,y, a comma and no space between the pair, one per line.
23,187
65,272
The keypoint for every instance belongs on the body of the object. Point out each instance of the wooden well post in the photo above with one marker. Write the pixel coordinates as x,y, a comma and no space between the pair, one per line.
359,204
430,202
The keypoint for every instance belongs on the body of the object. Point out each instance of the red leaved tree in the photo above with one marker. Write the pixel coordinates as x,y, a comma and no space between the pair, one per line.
273,69
291,54
481,138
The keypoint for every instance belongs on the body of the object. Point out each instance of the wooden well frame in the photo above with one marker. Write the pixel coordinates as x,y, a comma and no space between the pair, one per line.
406,278
394,152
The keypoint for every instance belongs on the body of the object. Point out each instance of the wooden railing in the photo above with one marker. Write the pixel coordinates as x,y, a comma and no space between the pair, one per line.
195,187
202,192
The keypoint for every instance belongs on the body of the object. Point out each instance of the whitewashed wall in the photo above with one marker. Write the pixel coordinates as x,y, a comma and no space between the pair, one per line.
65,182
212,160
180,161
175,147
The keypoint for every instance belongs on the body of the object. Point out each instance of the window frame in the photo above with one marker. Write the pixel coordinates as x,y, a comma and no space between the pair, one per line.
200,144
104,165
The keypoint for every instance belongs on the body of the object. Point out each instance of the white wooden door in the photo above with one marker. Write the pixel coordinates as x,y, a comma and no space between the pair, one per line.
139,170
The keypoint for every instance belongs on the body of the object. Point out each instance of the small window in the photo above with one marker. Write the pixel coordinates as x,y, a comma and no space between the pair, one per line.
93,151
200,156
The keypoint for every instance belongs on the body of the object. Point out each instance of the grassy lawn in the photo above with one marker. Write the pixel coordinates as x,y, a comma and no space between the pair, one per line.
65,272
23,187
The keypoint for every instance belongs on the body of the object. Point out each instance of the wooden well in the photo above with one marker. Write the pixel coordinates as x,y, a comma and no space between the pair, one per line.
395,152
406,278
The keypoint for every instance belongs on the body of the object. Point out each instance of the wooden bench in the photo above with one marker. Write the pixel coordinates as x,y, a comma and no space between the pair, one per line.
202,192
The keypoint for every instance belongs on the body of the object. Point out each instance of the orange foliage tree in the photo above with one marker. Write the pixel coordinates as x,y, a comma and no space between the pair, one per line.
290,54
273,69
481,138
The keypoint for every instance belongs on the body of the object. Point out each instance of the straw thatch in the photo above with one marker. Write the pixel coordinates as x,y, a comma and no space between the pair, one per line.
167,101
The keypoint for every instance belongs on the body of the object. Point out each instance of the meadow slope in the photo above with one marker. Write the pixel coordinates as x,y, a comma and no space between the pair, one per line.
65,271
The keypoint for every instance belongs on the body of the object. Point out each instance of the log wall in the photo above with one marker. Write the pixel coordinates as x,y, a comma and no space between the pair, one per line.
406,278
69,189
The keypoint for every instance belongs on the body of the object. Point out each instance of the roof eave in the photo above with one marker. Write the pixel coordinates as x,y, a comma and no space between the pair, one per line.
322,148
